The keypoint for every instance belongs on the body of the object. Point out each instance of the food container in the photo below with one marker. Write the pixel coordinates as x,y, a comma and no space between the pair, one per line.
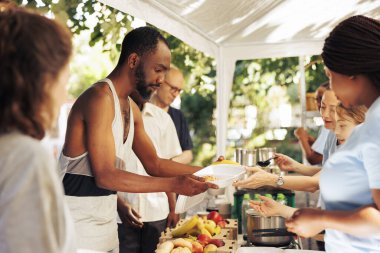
248,157
225,175
267,231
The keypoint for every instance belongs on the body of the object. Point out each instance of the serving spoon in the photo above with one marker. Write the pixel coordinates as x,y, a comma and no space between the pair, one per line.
266,162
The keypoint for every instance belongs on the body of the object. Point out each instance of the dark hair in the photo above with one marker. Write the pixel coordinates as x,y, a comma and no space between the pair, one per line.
353,48
33,51
141,40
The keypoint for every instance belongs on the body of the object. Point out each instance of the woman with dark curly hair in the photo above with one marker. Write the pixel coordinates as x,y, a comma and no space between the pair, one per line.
350,179
34,67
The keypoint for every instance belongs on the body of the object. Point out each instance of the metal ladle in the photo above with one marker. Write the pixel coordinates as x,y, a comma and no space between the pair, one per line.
266,162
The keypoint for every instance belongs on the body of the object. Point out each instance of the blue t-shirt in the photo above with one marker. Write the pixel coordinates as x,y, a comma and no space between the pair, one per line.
319,143
347,179
182,128
330,147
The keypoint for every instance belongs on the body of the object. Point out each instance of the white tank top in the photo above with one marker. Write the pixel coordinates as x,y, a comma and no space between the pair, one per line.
95,209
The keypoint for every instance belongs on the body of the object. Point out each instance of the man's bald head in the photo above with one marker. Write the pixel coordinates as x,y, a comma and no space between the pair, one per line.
171,87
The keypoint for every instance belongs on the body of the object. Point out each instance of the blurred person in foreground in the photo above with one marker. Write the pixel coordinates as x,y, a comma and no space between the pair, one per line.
34,66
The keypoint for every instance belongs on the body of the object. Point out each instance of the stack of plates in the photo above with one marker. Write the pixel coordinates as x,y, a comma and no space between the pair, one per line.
224,174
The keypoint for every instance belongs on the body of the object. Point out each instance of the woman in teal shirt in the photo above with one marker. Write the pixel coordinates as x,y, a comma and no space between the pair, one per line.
350,180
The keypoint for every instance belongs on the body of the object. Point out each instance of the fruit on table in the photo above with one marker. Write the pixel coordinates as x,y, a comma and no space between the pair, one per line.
165,247
225,162
185,227
204,239
222,223
181,242
215,216
200,224
217,242
210,226
181,250
205,232
193,232
211,223
210,248
217,230
197,247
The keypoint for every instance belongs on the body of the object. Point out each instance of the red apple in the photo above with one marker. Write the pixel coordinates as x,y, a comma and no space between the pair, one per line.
217,242
197,247
215,216
222,223
203,239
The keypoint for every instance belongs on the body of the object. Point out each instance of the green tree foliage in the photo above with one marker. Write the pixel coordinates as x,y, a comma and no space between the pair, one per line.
108,30
252,79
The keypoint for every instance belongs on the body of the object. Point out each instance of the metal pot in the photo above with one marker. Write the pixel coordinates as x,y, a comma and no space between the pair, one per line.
267,231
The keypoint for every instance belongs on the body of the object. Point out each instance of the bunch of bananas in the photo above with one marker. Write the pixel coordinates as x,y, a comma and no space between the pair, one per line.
196,226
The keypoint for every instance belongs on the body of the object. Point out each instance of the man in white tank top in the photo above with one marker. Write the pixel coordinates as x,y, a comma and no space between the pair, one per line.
102,125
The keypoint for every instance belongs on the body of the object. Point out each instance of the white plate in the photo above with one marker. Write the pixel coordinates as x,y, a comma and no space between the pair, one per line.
225,175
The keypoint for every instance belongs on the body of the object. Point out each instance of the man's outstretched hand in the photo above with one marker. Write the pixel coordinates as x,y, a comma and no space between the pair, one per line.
190,185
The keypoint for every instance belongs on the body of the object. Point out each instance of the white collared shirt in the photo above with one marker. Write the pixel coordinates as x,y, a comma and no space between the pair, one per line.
161,130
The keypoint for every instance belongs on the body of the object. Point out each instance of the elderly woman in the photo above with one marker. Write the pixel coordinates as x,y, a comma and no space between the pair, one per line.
346,120
34,67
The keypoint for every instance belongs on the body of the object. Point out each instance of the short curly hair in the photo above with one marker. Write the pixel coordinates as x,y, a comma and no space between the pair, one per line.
33,49
141,40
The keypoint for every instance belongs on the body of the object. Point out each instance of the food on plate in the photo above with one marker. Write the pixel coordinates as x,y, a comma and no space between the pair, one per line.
165,247
180,242
225,162
209,178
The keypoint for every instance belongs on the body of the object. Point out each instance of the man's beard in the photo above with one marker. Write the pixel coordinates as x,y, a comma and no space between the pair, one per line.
141,85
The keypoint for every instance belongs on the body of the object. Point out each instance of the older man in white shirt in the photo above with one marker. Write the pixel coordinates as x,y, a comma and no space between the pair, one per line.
156,209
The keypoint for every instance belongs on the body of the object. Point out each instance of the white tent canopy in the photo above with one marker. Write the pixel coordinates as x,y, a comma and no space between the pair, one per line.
231,30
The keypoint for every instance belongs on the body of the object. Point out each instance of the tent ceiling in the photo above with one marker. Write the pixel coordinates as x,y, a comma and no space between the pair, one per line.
231,30
212,24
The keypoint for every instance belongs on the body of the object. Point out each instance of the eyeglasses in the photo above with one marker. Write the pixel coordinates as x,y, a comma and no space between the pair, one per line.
173,89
